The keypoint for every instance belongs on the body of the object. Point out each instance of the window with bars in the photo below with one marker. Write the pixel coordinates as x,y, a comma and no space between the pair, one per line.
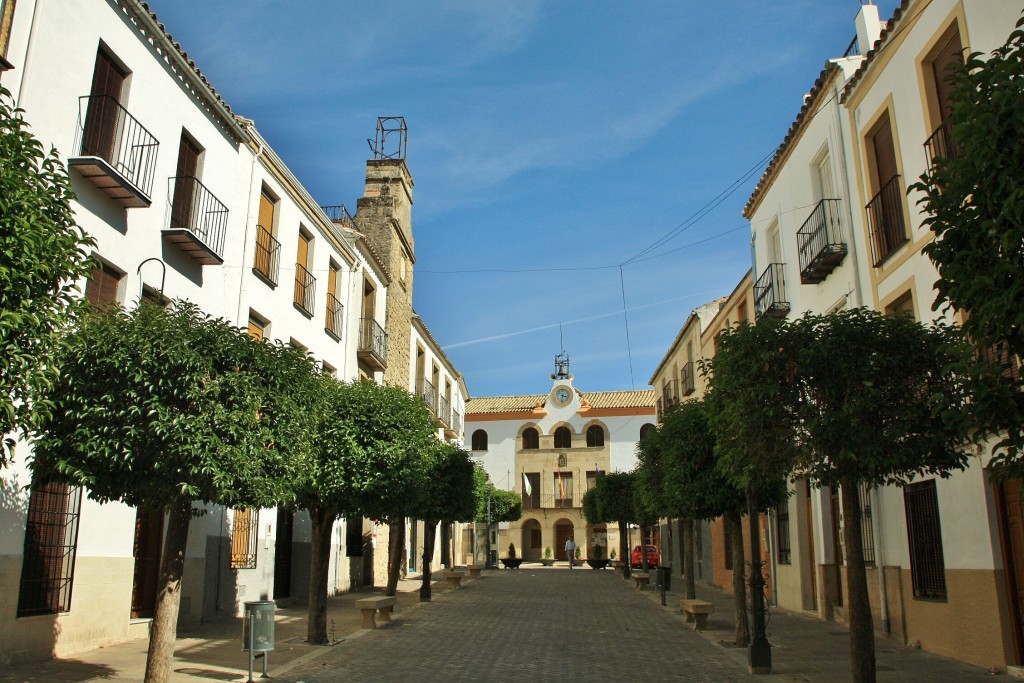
927,565
784,550
48,562
867,527
244,537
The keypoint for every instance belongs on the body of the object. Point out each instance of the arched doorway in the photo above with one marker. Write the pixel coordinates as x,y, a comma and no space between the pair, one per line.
563,532
530,543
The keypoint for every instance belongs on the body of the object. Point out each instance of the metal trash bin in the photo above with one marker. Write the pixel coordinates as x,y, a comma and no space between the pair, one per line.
258,632
664,578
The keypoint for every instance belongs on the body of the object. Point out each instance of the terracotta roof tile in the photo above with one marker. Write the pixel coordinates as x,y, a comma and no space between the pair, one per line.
484,405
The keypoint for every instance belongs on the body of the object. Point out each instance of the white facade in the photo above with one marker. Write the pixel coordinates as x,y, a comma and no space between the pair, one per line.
865,125
180,239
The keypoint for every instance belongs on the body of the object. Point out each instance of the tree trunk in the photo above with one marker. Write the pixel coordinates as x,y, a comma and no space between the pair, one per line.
624,549
164,629
690,579
429,529
739,584
862,632
319,566
396,548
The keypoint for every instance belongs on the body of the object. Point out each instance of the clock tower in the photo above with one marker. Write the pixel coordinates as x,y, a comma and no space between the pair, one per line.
562,392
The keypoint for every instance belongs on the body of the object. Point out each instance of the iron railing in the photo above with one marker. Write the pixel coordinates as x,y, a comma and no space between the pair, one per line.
107,131
373,339
195,209
51,542
245,529
885,221
686,377
305,289
853,49
427,392
334,317
444,410
940,145
670,393
820,242
456,422
338,213
770,292
268,255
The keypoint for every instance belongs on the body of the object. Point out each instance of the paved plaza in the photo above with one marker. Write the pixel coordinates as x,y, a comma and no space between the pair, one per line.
534,623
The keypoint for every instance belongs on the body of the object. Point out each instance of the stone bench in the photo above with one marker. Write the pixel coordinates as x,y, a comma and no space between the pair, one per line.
474,570
380,605
454,579
642,580
697,612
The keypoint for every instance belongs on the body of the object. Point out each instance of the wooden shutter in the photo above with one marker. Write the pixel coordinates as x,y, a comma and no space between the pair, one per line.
950,53
266,213
100,129
184,186
885,153
101,287
255,329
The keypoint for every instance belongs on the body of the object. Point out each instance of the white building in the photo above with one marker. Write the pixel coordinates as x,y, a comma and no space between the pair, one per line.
185,200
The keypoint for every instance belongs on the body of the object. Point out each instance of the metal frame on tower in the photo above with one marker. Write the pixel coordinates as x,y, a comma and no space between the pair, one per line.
391,140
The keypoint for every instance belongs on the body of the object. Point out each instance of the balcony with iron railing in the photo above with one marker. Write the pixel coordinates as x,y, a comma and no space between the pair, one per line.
267,257
687,378
427,393
338,213
114,151
940,145
373,344
770,292
820,242
198,220
305,290
456,427
444,412
886,224
334,318
670,393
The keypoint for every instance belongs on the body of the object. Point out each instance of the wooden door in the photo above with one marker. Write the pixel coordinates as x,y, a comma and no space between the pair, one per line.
811,559
885,154
149,533
99,131
185,185
562,534
1012,504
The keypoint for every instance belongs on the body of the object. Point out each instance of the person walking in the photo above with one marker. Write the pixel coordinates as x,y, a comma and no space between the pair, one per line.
570,551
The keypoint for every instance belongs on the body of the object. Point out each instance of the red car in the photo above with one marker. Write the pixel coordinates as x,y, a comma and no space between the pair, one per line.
635,561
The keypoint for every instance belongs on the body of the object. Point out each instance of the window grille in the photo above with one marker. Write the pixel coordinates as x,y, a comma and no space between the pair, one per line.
867,526
927,566
48,562
244,533
785,554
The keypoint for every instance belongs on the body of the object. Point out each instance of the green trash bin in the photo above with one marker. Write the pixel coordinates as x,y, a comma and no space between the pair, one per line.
259,617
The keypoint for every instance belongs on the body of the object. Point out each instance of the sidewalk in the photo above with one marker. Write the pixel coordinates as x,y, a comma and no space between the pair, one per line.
526,623
213,651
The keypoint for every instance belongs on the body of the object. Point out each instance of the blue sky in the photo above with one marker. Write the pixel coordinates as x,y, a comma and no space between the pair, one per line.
550,143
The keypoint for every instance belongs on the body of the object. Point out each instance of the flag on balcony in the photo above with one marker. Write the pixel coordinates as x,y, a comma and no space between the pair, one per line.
561,486
526,484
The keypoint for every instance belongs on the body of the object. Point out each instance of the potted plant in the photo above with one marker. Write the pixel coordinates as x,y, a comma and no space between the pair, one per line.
615,563
597,560
577,561
547,561
511,562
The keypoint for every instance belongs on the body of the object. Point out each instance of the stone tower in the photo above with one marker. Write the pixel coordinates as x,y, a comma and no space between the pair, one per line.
385,218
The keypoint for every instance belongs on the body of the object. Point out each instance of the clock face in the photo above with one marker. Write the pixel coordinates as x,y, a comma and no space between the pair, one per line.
562,395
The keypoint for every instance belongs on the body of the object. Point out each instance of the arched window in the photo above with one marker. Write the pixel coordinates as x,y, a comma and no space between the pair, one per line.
563,438
645,430
595,436
531,439
479,440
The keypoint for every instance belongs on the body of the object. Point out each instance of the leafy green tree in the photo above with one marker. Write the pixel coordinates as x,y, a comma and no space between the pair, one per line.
880,403
450,497
158,408
42,255
974,204
614,503
373,446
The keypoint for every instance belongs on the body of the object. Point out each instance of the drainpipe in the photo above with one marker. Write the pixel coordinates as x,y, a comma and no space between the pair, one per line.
844,167
883,600
248,219
28,52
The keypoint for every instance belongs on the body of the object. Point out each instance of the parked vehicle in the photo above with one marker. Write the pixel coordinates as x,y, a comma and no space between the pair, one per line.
635,561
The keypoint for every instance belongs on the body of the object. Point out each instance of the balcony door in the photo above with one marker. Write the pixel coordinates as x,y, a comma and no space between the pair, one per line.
100,128
184,185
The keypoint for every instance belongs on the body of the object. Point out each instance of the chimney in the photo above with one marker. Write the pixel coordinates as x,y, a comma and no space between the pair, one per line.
869,28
